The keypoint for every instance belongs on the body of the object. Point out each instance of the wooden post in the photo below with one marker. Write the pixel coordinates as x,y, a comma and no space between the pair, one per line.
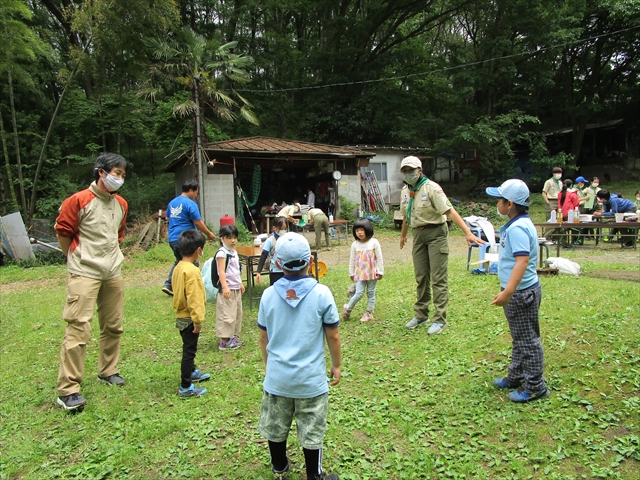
158,229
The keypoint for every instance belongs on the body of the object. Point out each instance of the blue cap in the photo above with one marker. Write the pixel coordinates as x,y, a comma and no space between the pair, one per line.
514,190
581,180
292,252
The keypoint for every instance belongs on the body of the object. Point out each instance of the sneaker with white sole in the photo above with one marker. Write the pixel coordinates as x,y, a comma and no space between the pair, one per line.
114,379
198,376
167,290
436,328
192,391
414,322
231,344
75,401
366,317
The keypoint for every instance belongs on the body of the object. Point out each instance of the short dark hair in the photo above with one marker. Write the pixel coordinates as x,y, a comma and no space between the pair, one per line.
279,222
365,225
189,186
604,194
189,241
107,162
557,170
228,231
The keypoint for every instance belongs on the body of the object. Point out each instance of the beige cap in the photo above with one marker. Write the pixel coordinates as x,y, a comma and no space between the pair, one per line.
411,161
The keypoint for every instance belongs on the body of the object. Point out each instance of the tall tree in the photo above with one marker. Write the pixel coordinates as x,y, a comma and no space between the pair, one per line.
604,57
19,46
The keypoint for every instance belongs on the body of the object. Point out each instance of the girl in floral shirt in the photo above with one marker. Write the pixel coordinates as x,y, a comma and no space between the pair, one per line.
365,268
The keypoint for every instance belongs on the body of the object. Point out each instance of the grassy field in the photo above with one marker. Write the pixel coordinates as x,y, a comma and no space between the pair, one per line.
409,405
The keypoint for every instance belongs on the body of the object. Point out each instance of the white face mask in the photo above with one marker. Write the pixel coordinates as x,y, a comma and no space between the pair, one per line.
112,183
502,215
594,185
557,175
411,177
281,232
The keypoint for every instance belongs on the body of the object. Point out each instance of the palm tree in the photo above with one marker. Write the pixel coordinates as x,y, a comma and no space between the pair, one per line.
209,71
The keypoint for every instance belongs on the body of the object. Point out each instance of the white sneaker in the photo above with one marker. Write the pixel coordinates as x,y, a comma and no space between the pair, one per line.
414,322
436,328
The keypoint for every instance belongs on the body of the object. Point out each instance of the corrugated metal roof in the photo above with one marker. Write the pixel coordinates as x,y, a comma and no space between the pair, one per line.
280,145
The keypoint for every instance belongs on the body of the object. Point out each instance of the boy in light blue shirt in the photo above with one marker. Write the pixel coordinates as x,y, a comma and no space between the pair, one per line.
296,315
520,293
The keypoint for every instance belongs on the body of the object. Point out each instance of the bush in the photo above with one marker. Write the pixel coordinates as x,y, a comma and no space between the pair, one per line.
348,209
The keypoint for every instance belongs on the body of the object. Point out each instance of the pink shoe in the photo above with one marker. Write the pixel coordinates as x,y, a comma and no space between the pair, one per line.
366,317
345,313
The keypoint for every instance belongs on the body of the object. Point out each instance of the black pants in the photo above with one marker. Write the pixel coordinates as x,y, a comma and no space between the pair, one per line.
275,276
189,349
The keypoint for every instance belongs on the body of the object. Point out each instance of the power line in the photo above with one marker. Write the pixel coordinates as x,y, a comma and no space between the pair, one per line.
464,65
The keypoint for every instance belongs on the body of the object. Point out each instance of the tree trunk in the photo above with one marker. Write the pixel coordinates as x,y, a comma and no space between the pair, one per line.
12,189
32,204
579,128
17,144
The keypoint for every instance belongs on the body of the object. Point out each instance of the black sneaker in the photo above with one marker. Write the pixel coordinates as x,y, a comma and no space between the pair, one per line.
75,401
168,291
115,379
324,476
282,474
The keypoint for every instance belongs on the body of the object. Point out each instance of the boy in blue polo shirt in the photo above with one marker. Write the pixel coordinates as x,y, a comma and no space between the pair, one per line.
296,315
521,293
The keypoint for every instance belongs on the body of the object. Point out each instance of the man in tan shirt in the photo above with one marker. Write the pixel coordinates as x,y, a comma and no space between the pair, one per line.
425,209
551,190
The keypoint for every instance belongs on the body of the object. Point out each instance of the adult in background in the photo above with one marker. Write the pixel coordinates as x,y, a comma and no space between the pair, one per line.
320,223
288,211
311,198
183,214
612,204
90,228
551,190
425,209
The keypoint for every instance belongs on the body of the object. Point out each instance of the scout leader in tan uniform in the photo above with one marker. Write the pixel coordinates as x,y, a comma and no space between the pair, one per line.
425,208
550,191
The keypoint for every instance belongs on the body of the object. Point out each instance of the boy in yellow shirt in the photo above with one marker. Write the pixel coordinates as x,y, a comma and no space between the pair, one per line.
189,300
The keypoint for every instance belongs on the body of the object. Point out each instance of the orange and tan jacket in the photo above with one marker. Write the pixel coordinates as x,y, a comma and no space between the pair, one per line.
95,221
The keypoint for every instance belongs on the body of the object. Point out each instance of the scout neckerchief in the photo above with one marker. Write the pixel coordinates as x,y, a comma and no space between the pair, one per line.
412,193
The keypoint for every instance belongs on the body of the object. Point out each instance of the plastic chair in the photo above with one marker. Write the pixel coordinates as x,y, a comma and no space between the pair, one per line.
482,249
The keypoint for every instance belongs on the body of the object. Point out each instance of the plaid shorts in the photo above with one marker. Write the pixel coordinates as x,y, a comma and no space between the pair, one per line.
277,413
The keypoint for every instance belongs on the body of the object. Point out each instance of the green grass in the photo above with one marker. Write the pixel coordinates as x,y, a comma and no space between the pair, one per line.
409,405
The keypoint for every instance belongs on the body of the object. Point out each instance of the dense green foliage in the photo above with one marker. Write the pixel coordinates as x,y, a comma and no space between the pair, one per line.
445,74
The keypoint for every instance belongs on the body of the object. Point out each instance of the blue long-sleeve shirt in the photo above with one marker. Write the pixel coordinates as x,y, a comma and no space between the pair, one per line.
617,205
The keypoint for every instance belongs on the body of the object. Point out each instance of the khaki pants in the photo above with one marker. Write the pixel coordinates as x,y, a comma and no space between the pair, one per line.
228,314
430,265
321,223
83,295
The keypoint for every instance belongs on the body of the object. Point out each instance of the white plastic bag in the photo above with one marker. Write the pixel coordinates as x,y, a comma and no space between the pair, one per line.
564,265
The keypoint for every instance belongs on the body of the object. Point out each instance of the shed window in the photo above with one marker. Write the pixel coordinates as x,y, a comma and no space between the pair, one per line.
380,170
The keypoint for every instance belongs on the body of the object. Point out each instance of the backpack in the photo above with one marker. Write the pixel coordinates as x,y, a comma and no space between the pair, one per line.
211,278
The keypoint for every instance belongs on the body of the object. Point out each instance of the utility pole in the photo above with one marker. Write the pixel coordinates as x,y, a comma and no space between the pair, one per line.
196,79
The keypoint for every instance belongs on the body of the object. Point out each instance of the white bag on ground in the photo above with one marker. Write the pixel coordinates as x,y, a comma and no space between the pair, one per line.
564,265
